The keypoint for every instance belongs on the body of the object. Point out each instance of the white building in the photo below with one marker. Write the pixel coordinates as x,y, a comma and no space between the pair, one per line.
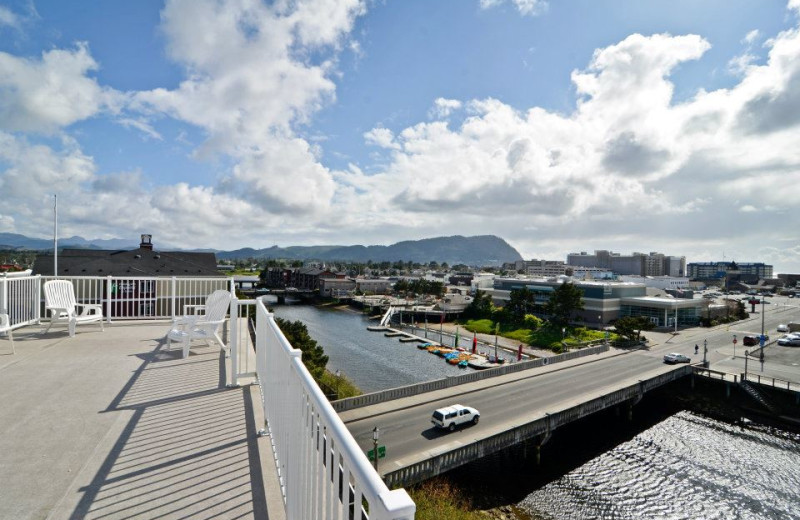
482,281
659,282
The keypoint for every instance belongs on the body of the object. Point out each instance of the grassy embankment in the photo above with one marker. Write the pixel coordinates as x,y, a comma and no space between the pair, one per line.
339,385
438,499
543,337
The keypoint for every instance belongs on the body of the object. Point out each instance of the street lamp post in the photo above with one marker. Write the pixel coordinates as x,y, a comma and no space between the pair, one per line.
746,354
705,351
375,434
763,340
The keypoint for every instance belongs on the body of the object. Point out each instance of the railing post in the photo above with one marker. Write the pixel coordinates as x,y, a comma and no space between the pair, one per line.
37,297
109,283
4,296
172,291
234,342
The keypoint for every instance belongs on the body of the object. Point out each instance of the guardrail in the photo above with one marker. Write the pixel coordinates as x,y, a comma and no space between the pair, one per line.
241,335
19,298
323,472
140,297
447,382
771,381
130,298
542,426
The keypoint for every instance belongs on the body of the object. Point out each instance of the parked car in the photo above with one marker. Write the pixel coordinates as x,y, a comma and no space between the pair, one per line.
788,341
674,357
783,328
750,341
455,415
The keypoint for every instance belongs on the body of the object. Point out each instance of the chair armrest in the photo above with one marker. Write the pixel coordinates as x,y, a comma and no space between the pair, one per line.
196,309
88,307
186,320
57,310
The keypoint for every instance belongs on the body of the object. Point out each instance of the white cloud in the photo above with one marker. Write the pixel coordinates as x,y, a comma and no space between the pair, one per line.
44,95
248,79
382,137
751,37
525,7
142,126
442,107
629,163
738,64
8,18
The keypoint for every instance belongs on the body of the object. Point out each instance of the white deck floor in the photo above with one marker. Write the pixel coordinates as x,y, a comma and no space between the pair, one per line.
110,425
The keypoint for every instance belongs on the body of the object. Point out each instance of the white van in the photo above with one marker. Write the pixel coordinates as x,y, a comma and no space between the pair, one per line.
452,416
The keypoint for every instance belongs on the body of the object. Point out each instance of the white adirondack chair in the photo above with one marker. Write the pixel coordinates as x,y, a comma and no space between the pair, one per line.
202,326
5,326
59,299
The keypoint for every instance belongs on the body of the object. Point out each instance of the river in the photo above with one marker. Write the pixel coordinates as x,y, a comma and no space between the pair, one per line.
668,463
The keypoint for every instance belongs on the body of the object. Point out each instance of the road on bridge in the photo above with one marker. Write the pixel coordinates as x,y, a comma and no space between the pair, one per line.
515,399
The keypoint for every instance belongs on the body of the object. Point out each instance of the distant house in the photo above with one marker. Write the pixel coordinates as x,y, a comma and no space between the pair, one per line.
144,261
130,297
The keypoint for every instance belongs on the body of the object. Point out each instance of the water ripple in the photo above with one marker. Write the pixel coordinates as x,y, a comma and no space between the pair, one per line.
685,467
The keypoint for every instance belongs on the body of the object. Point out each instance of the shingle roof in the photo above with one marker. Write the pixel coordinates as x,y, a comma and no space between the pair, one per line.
136,262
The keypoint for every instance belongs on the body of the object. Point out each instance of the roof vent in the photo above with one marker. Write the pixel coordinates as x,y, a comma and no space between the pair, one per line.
137,256
157,257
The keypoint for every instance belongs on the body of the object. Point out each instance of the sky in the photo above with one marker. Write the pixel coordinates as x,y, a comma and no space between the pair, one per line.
560,126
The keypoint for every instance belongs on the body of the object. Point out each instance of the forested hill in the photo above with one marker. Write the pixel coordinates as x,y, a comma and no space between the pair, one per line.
475,251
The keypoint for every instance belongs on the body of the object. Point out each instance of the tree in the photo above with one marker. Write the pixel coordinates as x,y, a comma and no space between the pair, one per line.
631,327
521,302
314,357
480,307
565,300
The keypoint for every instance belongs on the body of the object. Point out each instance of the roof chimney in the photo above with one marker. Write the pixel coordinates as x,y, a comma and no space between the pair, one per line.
147,242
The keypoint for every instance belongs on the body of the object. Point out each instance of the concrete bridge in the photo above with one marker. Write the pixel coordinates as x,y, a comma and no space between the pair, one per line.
516,406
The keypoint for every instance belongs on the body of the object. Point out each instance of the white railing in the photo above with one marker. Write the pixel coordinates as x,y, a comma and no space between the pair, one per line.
242,350
144,298
19,298
323,472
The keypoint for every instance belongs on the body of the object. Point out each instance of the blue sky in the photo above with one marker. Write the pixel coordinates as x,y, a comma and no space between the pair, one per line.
559,126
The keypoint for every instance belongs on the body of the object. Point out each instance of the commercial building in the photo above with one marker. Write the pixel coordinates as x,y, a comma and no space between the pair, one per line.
659,282
640,264
606,301
720,270
373,285
545,268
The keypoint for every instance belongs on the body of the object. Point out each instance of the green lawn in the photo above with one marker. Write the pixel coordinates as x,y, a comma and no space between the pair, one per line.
545,337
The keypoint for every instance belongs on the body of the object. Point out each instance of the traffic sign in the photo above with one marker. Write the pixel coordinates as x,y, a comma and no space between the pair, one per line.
381,453
735,341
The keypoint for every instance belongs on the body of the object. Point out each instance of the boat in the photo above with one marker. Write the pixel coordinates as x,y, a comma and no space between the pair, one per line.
463,363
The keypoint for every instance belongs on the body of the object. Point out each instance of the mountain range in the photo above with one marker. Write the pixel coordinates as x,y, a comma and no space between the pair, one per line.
484,250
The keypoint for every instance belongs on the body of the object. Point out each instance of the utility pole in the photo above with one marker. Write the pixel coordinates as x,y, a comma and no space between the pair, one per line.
55,235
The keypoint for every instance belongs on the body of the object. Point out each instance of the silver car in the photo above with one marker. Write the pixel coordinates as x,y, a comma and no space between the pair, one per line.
674,357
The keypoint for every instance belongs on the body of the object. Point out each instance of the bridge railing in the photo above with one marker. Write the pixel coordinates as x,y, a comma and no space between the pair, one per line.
540,427
447,382
771,381
322,470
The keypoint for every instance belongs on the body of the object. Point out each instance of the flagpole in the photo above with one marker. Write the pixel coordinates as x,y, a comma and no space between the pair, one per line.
55,235
496,332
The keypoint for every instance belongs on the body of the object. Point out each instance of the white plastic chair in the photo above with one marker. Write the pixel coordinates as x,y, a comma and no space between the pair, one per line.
201,326
5,326
59,299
